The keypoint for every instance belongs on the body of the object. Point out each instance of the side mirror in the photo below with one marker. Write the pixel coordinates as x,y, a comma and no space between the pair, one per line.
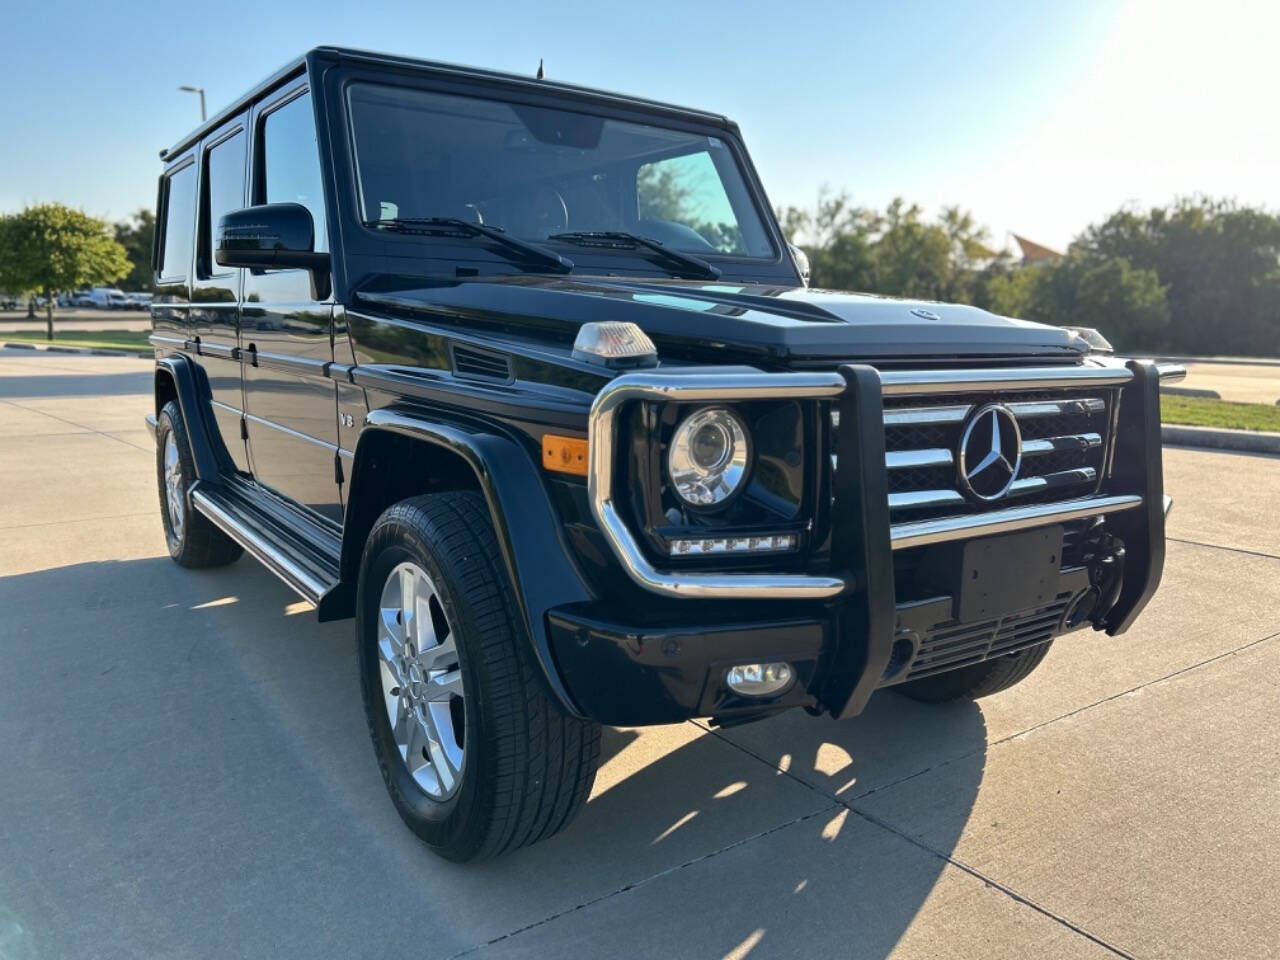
272,236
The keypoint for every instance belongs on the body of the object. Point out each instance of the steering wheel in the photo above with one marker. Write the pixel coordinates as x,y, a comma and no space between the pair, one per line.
540,213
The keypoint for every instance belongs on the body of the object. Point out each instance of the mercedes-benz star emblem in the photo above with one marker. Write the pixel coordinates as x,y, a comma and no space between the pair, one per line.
990,453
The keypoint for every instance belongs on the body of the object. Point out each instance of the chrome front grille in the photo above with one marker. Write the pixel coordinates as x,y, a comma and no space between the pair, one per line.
1065,440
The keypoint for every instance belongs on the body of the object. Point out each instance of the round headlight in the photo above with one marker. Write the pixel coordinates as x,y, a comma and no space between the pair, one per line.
708,457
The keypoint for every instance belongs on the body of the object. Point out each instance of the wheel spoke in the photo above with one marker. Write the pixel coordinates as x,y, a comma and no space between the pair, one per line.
392,629
441,688
416,741
390,700
447,734
407,589
389,657
442,766
402,727
441,656
424,630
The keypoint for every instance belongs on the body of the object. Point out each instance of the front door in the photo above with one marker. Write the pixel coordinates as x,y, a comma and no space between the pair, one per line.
286,335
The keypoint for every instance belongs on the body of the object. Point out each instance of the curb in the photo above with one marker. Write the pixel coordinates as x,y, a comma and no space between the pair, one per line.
83,351
1191,392
1243,441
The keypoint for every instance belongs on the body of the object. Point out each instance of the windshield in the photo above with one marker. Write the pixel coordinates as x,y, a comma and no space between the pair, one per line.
535,172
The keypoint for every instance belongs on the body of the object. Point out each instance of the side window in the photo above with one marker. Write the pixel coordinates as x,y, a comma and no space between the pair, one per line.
289,168
223,193
179,210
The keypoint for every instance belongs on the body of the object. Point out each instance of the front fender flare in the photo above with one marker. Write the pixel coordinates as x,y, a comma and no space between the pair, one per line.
529,531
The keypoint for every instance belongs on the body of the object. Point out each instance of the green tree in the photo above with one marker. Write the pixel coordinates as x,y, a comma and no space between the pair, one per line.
897,252
51,248
1004,287
1219,262
1125,302
136,236
913,258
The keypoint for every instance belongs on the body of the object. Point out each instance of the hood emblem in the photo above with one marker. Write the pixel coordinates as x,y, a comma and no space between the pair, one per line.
990,453
924,314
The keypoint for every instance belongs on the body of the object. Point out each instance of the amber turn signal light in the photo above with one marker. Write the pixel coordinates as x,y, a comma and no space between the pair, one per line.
564,454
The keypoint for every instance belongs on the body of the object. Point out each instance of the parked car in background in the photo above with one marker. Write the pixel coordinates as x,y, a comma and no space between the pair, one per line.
104,298
11,301
138,301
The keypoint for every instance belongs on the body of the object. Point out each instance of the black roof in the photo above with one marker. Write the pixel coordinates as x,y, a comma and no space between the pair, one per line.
298,66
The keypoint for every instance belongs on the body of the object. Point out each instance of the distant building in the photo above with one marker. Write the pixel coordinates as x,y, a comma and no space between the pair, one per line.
1034,254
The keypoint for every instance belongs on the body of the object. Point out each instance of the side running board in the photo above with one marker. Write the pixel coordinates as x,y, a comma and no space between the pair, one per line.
297,550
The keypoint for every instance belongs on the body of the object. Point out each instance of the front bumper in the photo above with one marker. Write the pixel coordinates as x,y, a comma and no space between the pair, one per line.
648,670
843,631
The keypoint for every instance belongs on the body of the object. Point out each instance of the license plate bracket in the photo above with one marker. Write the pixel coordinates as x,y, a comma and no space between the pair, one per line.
1007,573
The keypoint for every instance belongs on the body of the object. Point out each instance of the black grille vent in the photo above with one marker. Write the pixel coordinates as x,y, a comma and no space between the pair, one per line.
953,645
477,364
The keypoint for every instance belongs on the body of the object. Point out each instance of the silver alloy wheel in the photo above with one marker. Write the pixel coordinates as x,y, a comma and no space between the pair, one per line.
421,680
173,490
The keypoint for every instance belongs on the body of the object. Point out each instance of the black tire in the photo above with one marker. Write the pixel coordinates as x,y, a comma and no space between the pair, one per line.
198,543
979,680
529,765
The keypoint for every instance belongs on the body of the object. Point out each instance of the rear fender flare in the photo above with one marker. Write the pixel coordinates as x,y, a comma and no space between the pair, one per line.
189,387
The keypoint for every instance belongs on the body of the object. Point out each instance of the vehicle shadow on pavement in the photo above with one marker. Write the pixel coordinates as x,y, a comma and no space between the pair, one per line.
187,771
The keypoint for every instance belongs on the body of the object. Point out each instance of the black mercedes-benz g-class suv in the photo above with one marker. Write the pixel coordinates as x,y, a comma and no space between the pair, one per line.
525,378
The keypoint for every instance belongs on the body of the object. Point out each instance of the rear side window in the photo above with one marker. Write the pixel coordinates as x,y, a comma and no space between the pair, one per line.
223,193
290,165
179,215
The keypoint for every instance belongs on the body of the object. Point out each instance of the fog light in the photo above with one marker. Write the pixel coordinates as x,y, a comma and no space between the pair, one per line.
759,679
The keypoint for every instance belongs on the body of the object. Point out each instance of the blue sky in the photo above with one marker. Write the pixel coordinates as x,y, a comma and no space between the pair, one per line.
1038,117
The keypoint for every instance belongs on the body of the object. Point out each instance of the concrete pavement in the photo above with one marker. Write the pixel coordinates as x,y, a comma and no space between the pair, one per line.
185,770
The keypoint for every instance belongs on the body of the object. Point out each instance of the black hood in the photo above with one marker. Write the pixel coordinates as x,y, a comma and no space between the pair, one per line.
729,322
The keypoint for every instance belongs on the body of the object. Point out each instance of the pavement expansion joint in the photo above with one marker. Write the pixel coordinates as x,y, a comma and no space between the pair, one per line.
72,423
1219,546
675,868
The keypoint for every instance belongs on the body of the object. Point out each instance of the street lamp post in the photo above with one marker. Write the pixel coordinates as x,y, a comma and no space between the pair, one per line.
199,90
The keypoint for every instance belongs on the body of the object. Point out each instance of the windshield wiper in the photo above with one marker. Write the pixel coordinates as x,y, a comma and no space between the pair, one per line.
455,226
689,266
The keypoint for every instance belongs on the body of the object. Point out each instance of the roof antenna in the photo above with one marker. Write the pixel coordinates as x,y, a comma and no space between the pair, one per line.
539,76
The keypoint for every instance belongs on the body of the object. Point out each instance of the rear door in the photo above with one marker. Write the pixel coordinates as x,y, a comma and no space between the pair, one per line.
215,290
286,331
